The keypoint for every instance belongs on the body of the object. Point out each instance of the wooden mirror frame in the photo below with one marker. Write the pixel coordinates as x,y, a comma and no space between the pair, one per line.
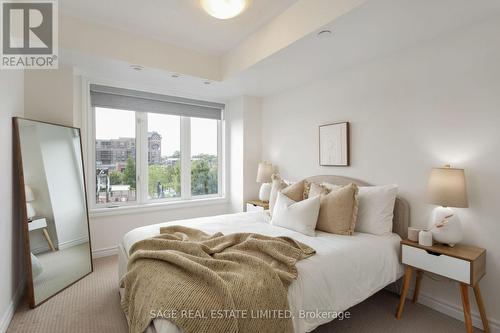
18,160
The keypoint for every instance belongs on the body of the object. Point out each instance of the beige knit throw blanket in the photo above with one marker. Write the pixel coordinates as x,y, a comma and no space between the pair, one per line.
211,283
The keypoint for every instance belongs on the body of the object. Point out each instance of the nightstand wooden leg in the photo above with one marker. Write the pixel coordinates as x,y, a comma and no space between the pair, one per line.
464,291
406,286
47,237
418,281
482,309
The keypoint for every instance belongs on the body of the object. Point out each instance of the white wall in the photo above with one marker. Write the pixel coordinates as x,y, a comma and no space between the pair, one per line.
244,114
234,112
436,103
252,137
11,97
49,95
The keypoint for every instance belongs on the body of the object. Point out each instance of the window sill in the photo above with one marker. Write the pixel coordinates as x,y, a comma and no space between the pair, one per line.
152,207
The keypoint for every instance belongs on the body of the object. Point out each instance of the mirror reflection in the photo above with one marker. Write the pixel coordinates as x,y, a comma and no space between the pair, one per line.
56,209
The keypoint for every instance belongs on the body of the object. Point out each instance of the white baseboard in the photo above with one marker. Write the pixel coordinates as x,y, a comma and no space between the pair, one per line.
74,242
9,312
61,246
105,252
455,311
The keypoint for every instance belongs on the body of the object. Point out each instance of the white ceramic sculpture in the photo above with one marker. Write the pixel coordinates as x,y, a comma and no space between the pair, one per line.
265,192
445,226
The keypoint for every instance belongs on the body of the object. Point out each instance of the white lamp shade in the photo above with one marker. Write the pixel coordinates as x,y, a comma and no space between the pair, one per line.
30,210
28,192
447,187
264,172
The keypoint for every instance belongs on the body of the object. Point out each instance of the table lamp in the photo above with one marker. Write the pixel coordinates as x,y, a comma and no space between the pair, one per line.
264,174
28,192
446,188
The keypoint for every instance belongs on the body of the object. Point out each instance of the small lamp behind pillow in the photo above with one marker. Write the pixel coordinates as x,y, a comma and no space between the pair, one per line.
264,174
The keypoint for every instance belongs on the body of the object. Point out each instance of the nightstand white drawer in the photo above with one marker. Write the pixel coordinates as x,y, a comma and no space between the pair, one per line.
37,224
453,268
254,208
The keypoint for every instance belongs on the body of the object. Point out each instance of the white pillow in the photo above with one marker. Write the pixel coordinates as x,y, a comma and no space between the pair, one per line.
376,209
300,216
277,185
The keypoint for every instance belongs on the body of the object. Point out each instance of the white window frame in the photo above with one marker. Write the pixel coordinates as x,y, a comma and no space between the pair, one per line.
142,201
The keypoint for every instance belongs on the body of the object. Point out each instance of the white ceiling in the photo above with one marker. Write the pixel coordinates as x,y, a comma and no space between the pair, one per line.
375,29
180,22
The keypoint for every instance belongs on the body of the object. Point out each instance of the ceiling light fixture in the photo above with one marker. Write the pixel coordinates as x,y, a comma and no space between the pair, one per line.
224,9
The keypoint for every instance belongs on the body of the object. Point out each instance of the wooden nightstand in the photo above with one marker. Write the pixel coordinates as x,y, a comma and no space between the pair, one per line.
257,205
461,263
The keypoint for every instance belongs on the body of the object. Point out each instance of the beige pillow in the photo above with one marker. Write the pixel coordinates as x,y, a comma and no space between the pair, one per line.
326,188
295,191
330,186
317,189
307,187
338,208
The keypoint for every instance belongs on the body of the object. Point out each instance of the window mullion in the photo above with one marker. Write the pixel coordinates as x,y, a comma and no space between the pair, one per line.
91,153
142,156
220,154
185,157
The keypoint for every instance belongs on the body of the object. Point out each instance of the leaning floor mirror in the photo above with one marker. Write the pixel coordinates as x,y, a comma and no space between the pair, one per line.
52,197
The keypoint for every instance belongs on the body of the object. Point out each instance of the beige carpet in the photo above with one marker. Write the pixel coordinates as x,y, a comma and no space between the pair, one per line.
92,305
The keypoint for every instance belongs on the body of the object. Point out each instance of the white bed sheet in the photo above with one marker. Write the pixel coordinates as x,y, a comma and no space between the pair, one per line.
344,271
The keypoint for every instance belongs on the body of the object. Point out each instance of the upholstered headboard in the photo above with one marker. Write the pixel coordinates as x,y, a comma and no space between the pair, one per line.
401,219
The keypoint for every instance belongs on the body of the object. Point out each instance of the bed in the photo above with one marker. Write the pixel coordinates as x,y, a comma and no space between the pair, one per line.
357,266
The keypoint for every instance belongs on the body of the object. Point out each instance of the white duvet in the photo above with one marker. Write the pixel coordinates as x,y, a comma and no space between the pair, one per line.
344,271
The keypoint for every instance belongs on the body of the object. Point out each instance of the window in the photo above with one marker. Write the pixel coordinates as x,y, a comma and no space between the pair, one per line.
204,161
164,156
115,156
152,148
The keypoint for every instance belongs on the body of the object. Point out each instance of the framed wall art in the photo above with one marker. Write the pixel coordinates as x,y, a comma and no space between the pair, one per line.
334,144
